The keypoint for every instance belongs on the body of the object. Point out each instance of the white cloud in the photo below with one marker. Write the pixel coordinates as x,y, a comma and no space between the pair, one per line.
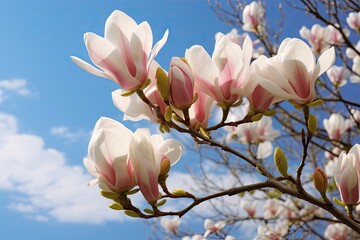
42,185
17,85
67,134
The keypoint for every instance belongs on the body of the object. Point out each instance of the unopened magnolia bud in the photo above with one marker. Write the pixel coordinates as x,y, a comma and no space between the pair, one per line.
179,192
164,166
280,161
162,83
270,113
312,123
116,206
168,114
320,180
160,203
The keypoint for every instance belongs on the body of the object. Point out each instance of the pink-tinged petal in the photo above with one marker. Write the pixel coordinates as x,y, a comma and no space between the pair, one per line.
122,44
296,49
298,77
143,32
105,185
123,22
283,45
248,50
91,69
274,88
171,149
133,107
157,47
264,150
140,58
93,182
148,184
125,179
91,167
107,57
325,61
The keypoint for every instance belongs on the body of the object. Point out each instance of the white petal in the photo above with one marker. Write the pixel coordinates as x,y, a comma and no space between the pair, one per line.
172,149
133,107
264,150
90,68
325,61
125,23
157,47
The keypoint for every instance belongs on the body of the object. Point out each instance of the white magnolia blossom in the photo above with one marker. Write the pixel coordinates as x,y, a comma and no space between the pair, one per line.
170,224
356,115
240,38
253,17
356,69
338,75
336,231
316,36
124,54
273,232
260,132
212,227
353,20
347,175
249,207
289,210
329,168
336,126
272,208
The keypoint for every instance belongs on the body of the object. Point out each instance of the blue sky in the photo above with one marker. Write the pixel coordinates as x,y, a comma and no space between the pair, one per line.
48,107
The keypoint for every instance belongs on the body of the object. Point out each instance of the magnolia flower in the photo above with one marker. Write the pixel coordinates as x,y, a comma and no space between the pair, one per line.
134,108
200,110
239,40
334,153
356,115
260,98
347,175
227,70
181,84
336,231
252,17
356,69
338,75
271,208
249,207
334,37
229,237
170,224
108,159
147,152
260,132
296,63
317,38
350,53
329,168
124,54
336,126
353,20
268,231
288,210
212,227
255,132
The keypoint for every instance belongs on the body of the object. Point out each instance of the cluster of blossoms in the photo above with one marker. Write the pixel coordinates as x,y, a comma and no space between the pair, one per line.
121,159
188,91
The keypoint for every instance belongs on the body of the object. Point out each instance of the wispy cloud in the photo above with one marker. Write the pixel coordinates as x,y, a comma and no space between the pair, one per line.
69,135
14,85
42,185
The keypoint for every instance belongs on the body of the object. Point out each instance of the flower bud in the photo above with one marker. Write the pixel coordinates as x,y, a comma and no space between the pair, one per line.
164,166
116,206
280,161
320,180
179,192
181,84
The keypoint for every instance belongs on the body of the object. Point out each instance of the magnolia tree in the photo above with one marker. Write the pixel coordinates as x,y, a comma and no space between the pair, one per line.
306,187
